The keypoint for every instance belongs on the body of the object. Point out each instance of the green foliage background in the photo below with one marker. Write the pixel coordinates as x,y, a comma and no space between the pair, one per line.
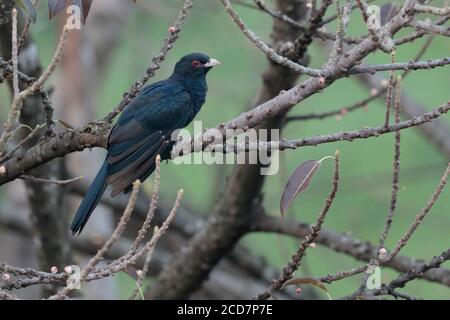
363,198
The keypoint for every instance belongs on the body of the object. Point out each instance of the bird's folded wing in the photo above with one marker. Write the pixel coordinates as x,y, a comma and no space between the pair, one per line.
143,132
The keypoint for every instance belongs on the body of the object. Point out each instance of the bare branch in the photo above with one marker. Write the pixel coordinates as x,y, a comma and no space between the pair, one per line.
269,52
108,244
432,10
14,113
396,169
156,61
344,243
430,27
339,136
57,182
295,262
421,215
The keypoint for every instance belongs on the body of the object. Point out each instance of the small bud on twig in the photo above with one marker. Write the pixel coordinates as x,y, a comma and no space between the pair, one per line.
382,253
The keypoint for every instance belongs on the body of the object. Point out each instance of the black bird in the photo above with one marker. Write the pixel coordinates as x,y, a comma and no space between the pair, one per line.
144,130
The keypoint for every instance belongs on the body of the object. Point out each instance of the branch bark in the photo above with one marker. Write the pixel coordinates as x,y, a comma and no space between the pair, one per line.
45,200
361,250
233,215
437,132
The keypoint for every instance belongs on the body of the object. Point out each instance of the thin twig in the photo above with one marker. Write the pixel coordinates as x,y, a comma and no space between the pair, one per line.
57,182
33,134
145,226
401,280
128,260
36,86
421,215
329,278
156,61
374,94
268,51
430,27
143,273
395,170
62,294
295,262
315,29
418,34
16,106
153,204
431,10
389,92
334,137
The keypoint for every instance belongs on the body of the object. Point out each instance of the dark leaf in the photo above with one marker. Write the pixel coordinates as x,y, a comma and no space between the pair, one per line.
29,9
297,182
65,124
132,272
55,7
310,281
86,7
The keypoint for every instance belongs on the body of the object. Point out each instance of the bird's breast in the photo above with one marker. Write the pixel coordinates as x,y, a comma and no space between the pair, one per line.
198,91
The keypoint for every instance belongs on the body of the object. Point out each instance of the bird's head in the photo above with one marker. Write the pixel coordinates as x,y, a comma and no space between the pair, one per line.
194,65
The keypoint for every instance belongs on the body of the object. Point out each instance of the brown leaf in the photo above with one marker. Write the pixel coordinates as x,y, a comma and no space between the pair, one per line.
310,281
297,183
132,272
387,12
29,9
85,7
55,7
65,124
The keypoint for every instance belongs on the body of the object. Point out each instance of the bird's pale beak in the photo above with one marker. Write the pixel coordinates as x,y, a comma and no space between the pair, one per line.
212,63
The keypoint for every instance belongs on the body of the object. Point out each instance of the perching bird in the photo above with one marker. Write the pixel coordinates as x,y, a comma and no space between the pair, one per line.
144,130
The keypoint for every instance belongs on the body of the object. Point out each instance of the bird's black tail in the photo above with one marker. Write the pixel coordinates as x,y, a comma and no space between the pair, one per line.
90,200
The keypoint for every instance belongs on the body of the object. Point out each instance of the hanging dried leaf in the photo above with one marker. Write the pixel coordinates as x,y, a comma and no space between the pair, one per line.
309,281
85,6
132,272
28,8
387,12
297,183
65,124
55,7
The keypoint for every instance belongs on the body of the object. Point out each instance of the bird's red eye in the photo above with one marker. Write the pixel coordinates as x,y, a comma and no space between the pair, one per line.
196,63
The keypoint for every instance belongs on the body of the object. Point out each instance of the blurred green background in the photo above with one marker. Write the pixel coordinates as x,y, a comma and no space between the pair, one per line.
363,198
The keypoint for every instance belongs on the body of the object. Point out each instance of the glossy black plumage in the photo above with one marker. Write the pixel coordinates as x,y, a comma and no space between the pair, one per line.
144,130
